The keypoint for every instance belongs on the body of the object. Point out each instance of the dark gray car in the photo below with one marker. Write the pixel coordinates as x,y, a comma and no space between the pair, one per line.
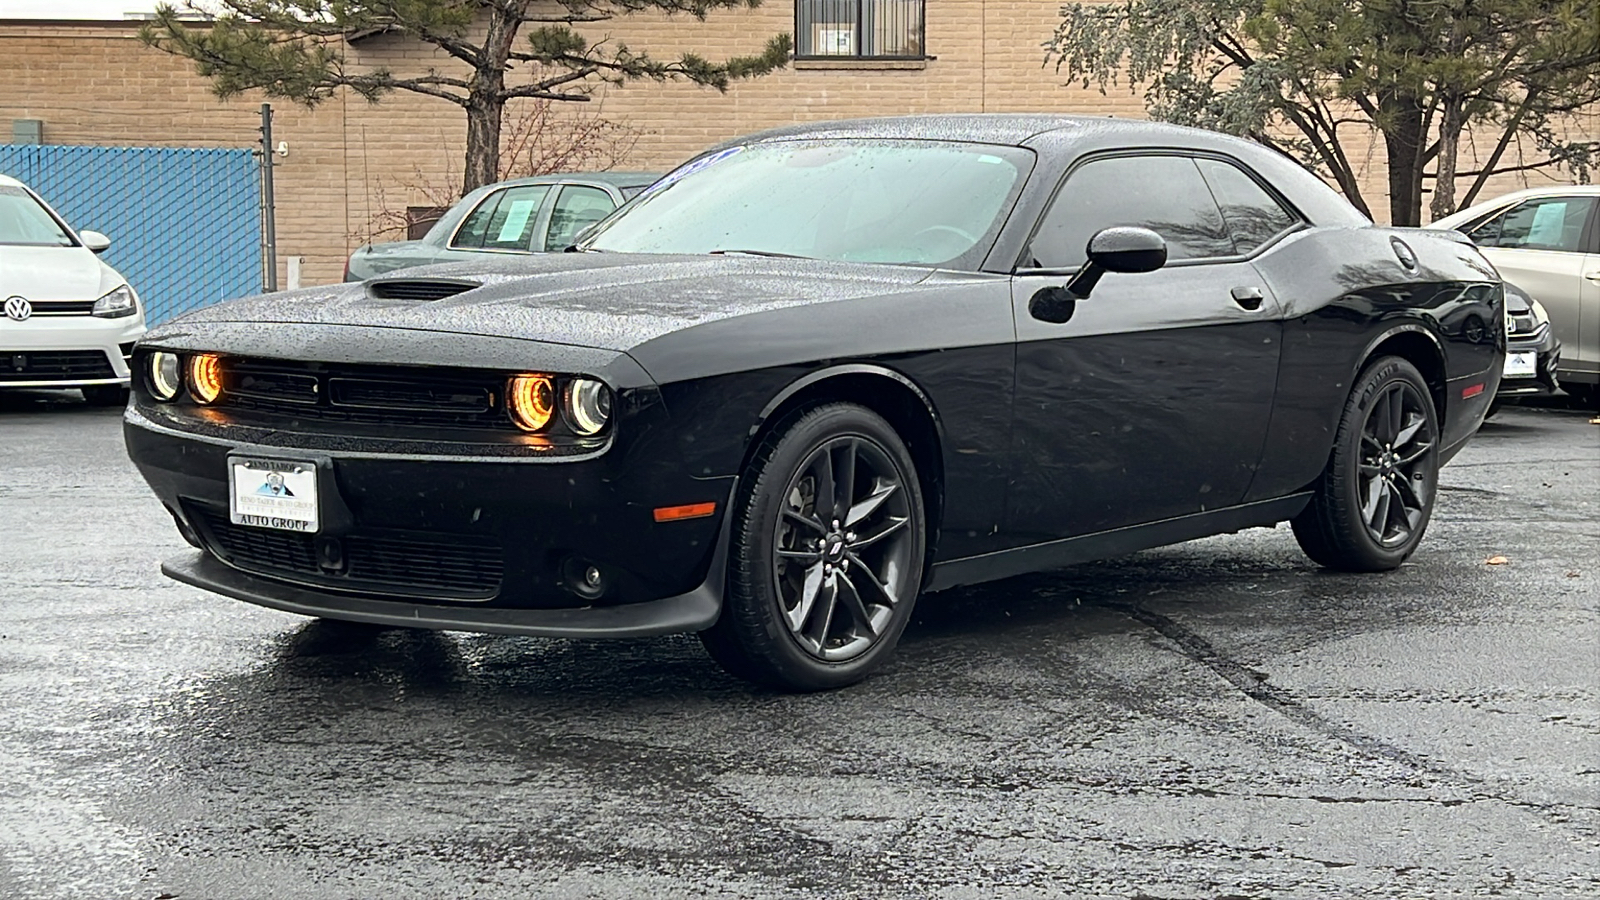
524,215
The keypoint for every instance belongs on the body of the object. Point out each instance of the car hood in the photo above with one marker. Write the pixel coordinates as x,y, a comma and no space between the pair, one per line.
600,300
54,273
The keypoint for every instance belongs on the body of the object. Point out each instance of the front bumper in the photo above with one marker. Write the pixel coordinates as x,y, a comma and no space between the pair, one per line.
401,523
1547,351
692,611
23,345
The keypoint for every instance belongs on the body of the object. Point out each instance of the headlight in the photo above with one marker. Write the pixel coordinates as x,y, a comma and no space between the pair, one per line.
588,404
119,302
1539,315
166,376
531,401
205,377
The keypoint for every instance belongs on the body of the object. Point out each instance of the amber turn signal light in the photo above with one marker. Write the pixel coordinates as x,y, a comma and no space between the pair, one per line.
205,377
679,513
531,401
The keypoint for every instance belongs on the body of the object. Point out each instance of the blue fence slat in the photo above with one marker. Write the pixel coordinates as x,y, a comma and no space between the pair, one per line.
185,224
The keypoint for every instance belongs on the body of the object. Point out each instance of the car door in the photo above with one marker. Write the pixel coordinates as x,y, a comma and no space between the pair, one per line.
1152,400
577,207
505,221
1546,247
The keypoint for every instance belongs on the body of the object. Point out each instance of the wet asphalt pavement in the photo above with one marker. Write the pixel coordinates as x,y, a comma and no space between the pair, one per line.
1216,719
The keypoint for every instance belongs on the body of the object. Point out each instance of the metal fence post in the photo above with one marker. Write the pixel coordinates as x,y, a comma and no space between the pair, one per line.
269,223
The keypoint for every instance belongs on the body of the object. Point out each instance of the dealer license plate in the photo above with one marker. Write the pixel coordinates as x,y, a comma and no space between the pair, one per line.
1522,365
269,493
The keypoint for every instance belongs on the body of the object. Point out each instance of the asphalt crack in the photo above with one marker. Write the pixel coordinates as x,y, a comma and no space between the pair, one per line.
1256,685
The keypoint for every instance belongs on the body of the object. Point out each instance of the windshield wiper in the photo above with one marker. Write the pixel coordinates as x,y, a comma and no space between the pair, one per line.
772,253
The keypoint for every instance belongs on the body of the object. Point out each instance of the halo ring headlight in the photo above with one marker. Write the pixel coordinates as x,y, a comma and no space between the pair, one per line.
531,401
205,377
166,376
588,406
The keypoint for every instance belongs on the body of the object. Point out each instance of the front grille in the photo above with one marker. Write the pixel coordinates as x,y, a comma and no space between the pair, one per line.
391,563
62,307
54,365
272,390
416,289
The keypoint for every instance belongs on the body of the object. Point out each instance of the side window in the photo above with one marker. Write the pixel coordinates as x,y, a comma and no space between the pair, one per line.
1485,230
1163,193
1549,223
503,221
1253,215
577,208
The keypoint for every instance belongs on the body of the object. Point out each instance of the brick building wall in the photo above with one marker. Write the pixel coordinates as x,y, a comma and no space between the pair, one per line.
94,83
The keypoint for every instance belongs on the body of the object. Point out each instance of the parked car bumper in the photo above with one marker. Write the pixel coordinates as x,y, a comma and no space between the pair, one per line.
459,543
67,351
1540,351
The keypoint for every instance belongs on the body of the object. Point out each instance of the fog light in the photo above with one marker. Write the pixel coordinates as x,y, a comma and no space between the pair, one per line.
530,400
205,377
584,578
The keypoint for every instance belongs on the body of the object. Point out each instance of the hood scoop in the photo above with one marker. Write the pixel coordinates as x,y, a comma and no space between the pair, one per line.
419,288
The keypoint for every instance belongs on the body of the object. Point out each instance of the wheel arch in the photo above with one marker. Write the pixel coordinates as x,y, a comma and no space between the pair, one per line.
1419,346
890,394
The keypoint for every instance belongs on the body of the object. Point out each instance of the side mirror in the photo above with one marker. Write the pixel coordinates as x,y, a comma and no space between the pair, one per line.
1119,249
94,240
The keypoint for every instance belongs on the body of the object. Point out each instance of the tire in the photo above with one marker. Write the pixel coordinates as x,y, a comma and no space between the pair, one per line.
1371,506
819,592
106,395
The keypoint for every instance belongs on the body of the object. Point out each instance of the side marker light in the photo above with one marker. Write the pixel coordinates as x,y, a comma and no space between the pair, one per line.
679,513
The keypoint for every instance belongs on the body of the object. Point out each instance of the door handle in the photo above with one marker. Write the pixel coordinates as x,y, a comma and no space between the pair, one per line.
1593,276
1248,296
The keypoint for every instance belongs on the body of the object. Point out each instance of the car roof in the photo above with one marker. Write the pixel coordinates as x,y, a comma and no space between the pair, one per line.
8,181
1060,139
1018,129
983,128
615,179
1502,200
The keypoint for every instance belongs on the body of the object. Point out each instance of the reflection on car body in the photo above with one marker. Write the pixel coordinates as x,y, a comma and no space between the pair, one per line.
821,370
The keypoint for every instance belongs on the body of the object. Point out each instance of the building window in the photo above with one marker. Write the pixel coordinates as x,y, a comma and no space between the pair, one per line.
859,29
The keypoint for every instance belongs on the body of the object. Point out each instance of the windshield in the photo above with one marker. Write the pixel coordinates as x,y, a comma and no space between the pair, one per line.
910,202
24,221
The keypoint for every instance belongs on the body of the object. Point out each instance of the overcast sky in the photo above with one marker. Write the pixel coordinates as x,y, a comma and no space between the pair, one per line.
73,9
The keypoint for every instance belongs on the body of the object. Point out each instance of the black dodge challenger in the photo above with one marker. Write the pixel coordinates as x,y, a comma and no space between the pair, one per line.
816,372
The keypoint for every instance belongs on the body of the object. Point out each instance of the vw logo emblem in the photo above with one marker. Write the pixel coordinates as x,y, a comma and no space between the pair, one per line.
18,308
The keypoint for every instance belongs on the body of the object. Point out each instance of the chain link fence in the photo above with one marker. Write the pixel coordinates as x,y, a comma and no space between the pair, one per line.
185,224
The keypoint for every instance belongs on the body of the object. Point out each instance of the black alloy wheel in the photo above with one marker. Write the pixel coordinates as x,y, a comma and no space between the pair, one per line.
1373,502
1394,480
826,563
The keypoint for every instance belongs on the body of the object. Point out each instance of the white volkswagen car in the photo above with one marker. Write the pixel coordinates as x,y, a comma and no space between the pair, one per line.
67,320
1547,242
